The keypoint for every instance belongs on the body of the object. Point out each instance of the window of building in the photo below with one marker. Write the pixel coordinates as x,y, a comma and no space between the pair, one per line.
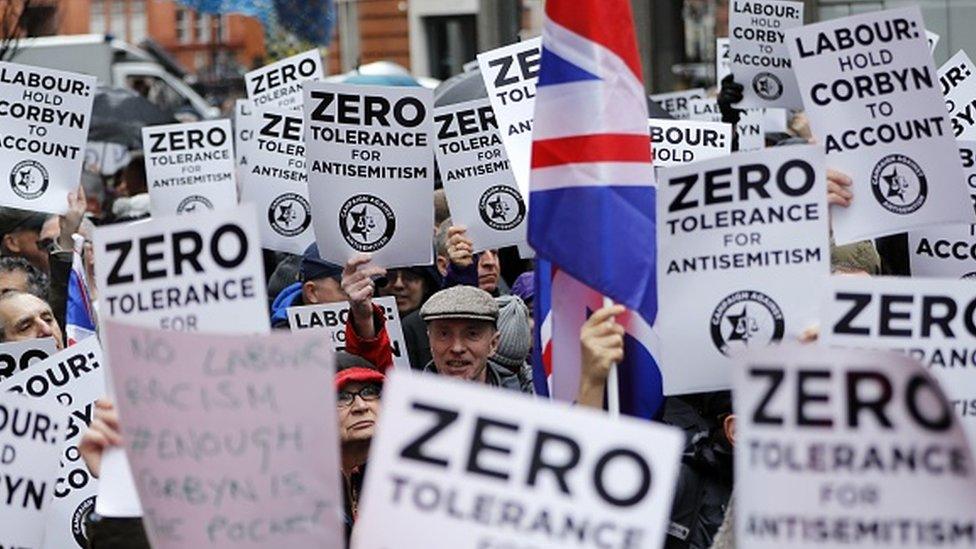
218,33
97,17
452,41
201,24
116,18
183,26
138,27
348,26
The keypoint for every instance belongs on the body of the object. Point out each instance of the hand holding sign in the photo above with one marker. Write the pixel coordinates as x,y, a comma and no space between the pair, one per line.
459,247
601,346
358,283
839,188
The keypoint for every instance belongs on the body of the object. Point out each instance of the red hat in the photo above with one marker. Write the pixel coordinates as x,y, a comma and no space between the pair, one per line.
360,374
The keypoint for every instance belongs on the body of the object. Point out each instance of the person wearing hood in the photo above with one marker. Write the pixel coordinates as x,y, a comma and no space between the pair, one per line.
319,281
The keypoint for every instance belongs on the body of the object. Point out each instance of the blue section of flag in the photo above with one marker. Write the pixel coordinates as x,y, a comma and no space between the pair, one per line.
78,309
542,307
604,231
556,70
639,379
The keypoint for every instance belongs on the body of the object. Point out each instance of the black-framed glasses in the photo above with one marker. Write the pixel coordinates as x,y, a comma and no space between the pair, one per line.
368,393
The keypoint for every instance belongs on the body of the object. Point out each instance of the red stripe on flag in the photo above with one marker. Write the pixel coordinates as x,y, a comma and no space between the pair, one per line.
591,148
606,22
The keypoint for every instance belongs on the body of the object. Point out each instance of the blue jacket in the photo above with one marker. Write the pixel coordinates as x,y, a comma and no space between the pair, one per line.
290,296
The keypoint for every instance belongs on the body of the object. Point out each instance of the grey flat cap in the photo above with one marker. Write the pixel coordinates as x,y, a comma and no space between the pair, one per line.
466,302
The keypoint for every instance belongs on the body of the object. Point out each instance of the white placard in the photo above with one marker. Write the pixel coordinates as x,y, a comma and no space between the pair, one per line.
928,319
30,434
841,448
190,167
751,128
943,251
184,273
17,356
73,378
741,241
759,58
682,141
477,175
677,103
722,66
44,116
276,181
957,78
279,85
510,75
332,317
245,128
932,39
371,172
449,457
873,103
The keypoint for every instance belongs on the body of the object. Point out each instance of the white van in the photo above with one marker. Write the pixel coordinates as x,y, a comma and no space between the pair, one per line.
115,63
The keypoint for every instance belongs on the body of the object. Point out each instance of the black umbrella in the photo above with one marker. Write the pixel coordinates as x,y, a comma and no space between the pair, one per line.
119,114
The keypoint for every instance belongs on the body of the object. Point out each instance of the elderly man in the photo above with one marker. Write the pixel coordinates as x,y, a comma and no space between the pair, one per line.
25,316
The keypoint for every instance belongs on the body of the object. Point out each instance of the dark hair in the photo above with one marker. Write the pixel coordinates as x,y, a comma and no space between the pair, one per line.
345,361
37,281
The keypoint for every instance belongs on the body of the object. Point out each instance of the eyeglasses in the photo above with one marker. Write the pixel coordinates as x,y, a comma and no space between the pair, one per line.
368,393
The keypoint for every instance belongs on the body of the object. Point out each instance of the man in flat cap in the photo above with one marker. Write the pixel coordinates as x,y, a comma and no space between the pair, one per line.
462,328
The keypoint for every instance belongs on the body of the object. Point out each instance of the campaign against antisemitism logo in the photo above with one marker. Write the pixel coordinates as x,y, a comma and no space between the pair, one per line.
746,319
79,518
191,203
767,86
289,214
366,222
899,184
501,207
29,179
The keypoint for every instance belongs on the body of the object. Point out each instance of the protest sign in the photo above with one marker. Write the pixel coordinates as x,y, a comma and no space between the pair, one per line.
184,273
682,141
869,89
751,129
677,103
17,356
232,439
931,320
245,128
758,55
741,240
30,430
190,167
844,448
510,74
477,175
460,465
722,66
73,378
332,317
45,116
932,39
957,77
943,251
276,182
371,171
279,85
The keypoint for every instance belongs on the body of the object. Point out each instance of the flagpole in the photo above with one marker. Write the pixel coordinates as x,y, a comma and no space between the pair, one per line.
613,384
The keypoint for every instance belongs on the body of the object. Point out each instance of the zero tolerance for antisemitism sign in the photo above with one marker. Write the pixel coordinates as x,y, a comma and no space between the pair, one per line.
677,103
477,175
931,320
871,93
44,119
370,171
758,55
460,465
845,448
510,74
741,240
276,182
190,167
279,85
232,439
73,378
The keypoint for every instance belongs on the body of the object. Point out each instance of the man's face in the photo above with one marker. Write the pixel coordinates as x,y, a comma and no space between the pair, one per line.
13,280
323,290
407,287
461,347
488,271
358,420
27,317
